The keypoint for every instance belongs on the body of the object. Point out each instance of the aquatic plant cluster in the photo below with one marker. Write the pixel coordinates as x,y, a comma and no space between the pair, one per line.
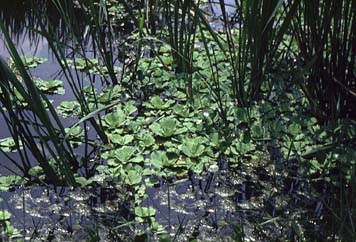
252,100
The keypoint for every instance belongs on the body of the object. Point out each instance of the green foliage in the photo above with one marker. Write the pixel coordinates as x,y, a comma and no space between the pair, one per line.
159,159
200,95
158,103
69,108
44,116
7,182
125,153
121,139
144,212
167,127
32,62
193,147
329,90
8,145
50,86
115,119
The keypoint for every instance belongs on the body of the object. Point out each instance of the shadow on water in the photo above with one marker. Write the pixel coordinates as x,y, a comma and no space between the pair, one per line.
251,201
20,18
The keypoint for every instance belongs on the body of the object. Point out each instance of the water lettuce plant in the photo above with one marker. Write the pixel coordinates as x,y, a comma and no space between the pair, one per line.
124,153
8,145
194,147
159,160
33,61
68,109
157,103
167,127
115,119
50,86
187,99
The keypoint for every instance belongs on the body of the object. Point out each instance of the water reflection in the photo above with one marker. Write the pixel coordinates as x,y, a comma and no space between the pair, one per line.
49,213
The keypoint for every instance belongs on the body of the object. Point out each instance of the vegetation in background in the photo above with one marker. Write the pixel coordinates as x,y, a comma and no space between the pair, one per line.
173,97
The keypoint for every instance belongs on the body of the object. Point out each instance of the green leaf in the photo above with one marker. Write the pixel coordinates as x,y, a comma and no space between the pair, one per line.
256,131
130,108
121,139
32,62
241,148
158,103
144,212
193,147
125,153
115,119
167,127
181,110
50,86
160,159
8,145
6,182
294,129
83,181
69,108
4,215
36,171
134,177
147,140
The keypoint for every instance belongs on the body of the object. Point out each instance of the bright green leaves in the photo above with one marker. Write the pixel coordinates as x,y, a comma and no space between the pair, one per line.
7,228
121,139
129,108
83,181
134,175
7,182
90,65
8,145
75,135
83,64
144,212
37,172
160,159
125,153
115,119
194,147
69,108
242,148
146,140
32,62
147,215
107,95
158,103
167,127
4,215
181,110
50,86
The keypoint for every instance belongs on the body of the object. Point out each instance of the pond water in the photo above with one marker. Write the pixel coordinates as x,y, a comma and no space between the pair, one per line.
258,200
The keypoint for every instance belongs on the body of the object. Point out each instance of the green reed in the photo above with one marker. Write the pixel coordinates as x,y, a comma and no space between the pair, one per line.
38,127
328,44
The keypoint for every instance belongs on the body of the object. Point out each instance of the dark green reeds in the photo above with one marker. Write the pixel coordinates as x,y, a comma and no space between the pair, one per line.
74,37
37,127
253,44
328,45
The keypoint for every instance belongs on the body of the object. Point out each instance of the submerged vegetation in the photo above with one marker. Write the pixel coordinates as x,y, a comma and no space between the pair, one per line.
194,120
